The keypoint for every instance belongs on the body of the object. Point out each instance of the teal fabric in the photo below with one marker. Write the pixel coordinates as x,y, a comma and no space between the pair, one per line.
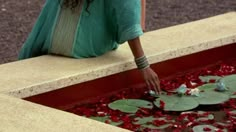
107,24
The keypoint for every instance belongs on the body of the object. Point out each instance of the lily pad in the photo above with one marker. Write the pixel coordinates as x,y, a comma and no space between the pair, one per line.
144,120
203,119
101,119
130,105
212,86
211,98
156,127
230,82
233,96
176,103
200,128
207,87
106,118
208,78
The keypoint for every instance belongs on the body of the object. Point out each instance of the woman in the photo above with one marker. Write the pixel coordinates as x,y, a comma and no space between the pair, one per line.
89,28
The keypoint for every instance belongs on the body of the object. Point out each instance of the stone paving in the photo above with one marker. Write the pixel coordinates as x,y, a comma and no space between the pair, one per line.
18,17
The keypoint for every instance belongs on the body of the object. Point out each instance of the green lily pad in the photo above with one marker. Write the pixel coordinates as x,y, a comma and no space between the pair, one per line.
130,105
144,120
209,117
150,126
200,128
230,82
208,78
212,86
176,103
233,96
211,98
207,87
101,119
106,118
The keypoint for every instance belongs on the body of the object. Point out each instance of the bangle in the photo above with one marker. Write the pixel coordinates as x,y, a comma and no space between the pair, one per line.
142,62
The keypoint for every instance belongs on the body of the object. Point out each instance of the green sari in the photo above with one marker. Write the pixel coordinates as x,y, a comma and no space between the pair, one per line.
85,34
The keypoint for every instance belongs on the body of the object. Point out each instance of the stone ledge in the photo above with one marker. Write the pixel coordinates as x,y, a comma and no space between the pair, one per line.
21,116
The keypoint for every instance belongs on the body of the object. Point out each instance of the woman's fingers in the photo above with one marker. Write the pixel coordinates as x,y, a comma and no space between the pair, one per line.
157,82
156,85
152,80
148,84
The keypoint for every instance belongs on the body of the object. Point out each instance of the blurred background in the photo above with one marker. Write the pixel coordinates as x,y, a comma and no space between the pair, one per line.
17,18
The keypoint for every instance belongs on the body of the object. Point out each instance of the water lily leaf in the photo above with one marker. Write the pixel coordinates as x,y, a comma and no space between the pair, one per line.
208,78
202,113
176,103
211,98
207,87
101,119
156,127
115,123
230,82
144,120
203,119
130,105
200,128
106,118
149,126
233,96
212,86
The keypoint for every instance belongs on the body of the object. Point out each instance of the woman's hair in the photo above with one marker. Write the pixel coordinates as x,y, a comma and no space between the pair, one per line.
73,3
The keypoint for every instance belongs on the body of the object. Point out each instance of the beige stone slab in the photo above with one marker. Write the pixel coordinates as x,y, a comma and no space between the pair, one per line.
17,115
47,73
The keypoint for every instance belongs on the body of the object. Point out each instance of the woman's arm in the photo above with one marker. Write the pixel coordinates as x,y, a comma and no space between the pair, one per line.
149,75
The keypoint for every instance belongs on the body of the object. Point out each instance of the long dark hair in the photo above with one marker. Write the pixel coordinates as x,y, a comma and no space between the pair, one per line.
73,3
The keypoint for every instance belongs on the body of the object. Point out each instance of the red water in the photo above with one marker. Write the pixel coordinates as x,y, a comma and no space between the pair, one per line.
100,106
91,98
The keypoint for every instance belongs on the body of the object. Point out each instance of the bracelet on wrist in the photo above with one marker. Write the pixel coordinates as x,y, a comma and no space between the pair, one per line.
142,62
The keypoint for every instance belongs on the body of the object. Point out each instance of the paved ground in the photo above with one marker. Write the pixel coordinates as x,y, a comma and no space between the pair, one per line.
18,16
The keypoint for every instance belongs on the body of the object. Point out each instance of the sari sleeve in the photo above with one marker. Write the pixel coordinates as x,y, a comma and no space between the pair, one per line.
34,43
127,19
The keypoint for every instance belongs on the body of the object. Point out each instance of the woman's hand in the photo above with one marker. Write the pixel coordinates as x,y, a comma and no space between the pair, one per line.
151,79
149,75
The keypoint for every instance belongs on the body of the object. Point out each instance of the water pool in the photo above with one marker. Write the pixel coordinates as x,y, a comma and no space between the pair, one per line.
172,73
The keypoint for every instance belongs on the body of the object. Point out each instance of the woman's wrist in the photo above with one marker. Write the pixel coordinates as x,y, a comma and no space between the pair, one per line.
142,62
